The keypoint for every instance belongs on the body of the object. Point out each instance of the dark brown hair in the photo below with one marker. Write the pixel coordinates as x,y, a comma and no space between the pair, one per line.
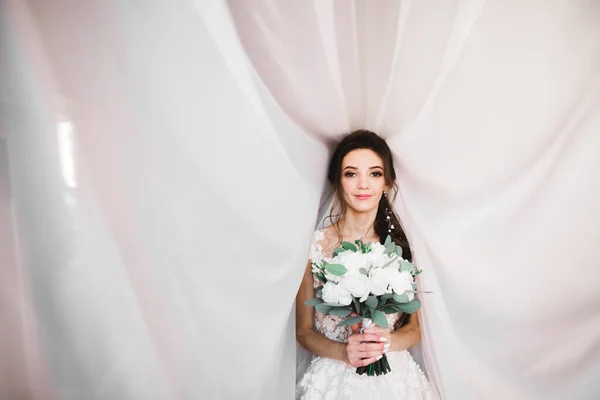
364,139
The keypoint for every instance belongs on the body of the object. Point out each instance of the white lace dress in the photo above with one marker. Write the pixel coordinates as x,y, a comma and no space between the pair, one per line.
329,379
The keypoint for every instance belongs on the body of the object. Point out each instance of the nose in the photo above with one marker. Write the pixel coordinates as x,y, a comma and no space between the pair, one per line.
363,182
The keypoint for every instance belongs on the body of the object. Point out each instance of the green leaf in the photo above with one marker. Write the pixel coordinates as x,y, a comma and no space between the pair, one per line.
363,271
389,309
321,278
348,246
401,298
340,312
405,265
371,302
313,302
379,319
385,297
388,240
323,308
335,305
389,249
411,307
337,251
350,321
398,250
336,269
356,304
318,289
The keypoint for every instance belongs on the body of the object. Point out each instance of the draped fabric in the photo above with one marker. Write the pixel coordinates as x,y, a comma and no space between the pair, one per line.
163,166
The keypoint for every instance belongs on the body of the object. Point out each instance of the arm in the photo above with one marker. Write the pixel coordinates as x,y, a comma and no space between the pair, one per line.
402,339
407,336
355,352
306,334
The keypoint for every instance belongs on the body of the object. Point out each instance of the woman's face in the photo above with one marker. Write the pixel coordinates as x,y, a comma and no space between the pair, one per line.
363,180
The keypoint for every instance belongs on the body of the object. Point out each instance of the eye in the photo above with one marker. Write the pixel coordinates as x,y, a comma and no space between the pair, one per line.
377,174
349,174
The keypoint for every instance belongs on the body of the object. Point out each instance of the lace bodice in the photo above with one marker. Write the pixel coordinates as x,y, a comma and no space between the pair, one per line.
327,324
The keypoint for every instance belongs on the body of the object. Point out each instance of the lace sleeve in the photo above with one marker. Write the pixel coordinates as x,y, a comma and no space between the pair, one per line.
316,250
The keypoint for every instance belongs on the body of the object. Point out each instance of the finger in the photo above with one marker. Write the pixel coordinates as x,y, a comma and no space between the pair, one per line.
367,361
370,354
370,337
366,347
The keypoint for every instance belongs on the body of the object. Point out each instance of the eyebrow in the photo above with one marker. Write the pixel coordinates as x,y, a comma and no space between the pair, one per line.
351,167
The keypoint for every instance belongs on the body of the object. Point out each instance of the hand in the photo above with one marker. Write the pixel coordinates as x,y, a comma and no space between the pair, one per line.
366,348
382,332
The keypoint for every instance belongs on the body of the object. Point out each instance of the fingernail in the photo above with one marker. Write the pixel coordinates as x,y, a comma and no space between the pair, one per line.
383,339
386,348
379,357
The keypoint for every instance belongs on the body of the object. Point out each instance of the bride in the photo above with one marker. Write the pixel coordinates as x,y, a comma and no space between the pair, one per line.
362,174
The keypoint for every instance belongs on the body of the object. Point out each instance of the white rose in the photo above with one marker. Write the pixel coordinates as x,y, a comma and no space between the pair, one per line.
401,282
356,284
351,260
332,278
334,293
377,248
378,281
377,259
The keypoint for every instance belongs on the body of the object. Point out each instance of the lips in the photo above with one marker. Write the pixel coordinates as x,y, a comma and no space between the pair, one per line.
363,196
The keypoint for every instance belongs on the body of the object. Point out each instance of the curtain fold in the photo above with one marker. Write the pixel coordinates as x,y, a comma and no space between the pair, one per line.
489,108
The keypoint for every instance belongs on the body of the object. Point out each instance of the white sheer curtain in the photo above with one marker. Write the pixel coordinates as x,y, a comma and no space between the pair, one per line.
164,264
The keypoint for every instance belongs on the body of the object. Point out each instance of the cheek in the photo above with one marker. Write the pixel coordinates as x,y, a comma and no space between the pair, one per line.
346,186
379,185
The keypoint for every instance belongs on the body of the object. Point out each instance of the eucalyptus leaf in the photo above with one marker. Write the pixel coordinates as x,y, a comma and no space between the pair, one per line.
338,250
335,305
406,265
385,297
350,321
389,309
356,304
321,278
323,308
340,312
389,249
371,302
313,302
388,240
363,271
379,319
401,298
318,289
336,269
349,246
398,250
411,307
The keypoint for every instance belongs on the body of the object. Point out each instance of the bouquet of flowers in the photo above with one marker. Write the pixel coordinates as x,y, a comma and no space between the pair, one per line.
369,279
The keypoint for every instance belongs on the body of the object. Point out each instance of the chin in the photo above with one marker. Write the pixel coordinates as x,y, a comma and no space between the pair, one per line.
364,207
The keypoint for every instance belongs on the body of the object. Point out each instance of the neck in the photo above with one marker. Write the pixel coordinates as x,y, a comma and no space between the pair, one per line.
358,224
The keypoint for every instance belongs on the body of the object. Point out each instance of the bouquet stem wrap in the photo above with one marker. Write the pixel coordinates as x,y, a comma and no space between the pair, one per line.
379,367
